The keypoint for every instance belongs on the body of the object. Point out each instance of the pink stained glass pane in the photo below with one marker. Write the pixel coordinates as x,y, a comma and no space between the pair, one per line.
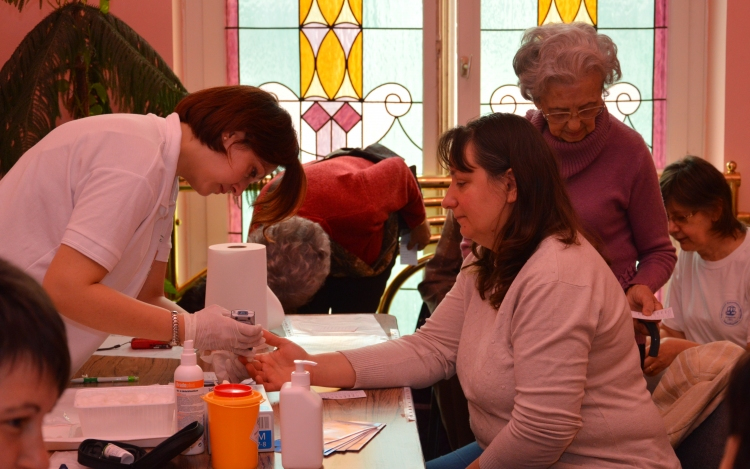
338,136
347,117
660,84
316,117
233,67
324,138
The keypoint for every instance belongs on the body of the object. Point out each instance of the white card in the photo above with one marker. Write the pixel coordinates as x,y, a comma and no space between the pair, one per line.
657,315
408,256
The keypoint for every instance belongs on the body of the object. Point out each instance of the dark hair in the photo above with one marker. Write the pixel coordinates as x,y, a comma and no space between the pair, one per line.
542,208
695,183
739,410
269,133
30,328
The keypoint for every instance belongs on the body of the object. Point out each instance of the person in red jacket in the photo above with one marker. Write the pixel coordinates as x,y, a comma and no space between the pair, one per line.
357,197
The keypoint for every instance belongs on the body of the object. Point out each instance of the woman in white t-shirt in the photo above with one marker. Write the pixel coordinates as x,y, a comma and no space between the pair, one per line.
88,211
710,287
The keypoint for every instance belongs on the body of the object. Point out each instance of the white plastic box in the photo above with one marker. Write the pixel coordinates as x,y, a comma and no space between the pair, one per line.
264,425
126,412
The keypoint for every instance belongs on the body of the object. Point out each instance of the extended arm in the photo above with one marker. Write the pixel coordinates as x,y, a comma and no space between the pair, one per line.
73,281
648,219
275,368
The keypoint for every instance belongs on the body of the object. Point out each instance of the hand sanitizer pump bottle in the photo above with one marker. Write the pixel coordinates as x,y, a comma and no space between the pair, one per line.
301,421
188,386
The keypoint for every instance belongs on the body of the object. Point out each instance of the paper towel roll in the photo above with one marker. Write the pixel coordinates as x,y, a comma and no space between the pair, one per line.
236,278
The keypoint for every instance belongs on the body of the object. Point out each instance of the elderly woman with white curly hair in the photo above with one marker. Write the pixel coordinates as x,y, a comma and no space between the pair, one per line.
607,167
298,255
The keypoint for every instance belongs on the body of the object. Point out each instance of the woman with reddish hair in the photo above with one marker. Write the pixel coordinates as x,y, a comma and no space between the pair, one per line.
88,211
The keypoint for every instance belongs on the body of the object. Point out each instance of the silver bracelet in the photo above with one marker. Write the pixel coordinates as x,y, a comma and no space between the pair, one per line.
175,330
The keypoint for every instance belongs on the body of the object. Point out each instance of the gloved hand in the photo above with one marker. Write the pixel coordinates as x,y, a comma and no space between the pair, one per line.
227,366
212,329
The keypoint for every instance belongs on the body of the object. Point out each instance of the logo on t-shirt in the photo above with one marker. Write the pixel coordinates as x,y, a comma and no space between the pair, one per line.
731,313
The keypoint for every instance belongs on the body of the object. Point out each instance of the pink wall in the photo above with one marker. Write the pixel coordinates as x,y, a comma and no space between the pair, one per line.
737,101
152,19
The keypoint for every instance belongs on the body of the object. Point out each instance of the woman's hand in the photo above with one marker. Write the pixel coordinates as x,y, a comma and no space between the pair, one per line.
420,236
642,299
275,368
669,348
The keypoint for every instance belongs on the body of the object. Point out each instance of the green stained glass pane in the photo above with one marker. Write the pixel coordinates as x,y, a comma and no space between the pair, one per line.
636,61
381,65
626,14
642,121
392,14
268,13
485,109
509,14
498,49
270,55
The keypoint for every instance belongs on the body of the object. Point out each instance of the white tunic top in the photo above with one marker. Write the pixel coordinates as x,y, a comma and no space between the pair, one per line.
106,187
711,300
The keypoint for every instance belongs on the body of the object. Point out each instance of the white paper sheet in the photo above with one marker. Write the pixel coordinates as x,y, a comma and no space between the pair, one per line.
328,325
408,256
333,343
657,315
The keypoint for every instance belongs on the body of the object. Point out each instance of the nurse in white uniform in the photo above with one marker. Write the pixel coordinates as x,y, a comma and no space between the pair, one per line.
88,211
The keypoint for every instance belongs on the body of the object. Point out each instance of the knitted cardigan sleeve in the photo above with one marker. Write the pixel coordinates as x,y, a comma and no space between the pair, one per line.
648,219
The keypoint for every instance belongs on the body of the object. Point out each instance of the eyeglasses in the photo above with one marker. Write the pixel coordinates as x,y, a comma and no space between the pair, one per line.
679,219
583,114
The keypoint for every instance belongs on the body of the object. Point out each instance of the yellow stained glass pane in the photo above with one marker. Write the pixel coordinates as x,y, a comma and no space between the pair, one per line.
591,8
356,7
330,9
304,9
568,9
544,6
355,65
307,63
331,64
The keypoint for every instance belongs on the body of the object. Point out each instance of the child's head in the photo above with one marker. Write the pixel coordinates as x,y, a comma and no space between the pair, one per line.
34,367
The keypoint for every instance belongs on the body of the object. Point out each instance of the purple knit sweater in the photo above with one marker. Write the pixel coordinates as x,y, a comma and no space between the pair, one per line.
612,183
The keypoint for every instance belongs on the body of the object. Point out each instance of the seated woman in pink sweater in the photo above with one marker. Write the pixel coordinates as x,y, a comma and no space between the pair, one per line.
536,327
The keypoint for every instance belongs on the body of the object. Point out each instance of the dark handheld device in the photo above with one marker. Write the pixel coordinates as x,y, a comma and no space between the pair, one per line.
243,315
653,331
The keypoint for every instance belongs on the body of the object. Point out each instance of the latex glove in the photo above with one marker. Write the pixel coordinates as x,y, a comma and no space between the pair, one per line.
227,366
212,329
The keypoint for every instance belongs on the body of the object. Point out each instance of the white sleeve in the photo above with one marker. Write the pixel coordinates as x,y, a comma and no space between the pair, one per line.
108,207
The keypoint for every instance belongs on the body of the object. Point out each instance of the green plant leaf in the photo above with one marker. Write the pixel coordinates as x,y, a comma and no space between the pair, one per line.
74,46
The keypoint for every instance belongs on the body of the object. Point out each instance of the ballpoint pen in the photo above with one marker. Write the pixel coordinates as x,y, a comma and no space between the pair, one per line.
110,379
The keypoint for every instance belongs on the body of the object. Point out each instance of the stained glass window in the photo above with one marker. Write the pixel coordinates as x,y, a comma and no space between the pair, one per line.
638,27
348,71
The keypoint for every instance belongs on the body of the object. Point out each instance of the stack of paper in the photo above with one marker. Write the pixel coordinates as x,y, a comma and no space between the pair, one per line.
348,436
